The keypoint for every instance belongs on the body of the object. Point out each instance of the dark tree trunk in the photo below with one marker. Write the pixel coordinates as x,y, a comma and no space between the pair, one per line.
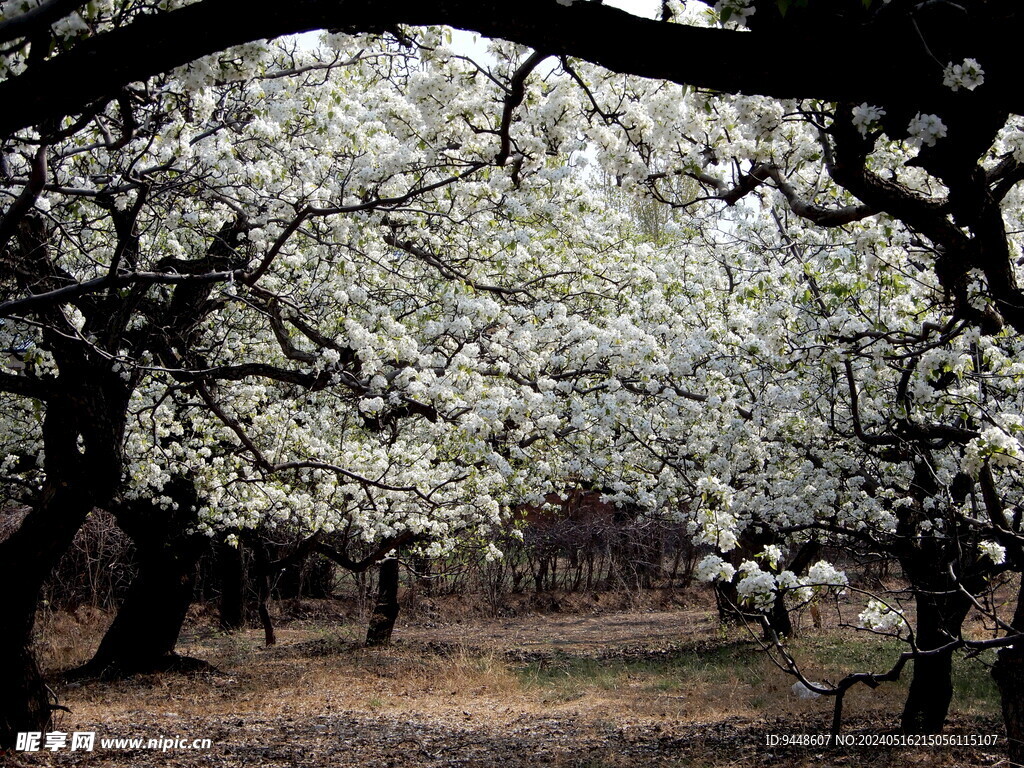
540,574
385,612
778,617
263,589
232,586
77,479
726,600
929,563
939,618
26,559
145,631
83,438
1008,673
263,608
23,696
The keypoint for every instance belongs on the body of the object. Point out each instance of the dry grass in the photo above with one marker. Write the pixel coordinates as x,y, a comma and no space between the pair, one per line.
65,640
661,688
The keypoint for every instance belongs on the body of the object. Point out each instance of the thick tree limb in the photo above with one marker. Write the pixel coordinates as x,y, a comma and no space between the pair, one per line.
358,566
763,172
69,293
310,380
516,93
23,204
880,63
816,214
39,18
997,516
25,386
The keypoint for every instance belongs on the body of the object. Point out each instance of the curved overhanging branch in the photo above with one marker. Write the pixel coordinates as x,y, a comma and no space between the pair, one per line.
37,19
863,59
758,174
514,97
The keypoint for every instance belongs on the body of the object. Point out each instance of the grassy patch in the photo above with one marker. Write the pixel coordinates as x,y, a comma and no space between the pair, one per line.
974,690
738,672
707,667
836,654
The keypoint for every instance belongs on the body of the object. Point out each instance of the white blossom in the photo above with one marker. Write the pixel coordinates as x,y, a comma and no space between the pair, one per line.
866,117
714,568
993,551
881,617
926,130
968,74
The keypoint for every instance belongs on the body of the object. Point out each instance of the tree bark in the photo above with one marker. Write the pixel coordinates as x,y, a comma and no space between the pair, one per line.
1008,673
23,696
77,479
145,631
26,559
232,587
873,50
385,612
263,589
778,617
939,618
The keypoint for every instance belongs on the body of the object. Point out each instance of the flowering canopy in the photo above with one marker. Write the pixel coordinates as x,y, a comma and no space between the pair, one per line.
381,289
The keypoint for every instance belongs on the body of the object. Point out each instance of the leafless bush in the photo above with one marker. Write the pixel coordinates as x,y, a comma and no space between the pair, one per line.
97,568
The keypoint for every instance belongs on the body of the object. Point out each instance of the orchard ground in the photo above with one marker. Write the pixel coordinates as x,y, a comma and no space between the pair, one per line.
592,680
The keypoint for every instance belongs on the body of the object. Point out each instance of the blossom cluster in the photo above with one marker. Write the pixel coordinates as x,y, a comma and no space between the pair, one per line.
926,130
881,617
967,75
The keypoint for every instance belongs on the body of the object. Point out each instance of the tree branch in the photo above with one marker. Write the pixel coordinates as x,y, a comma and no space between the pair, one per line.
865,57
358,566
24,386
516,93
38,18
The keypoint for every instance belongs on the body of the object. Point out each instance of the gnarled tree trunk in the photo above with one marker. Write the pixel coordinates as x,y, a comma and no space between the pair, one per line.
385,612
231,569
1008,673
939,618
145,631
26,560
79,476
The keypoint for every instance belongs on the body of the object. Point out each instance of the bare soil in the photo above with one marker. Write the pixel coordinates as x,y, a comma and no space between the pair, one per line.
580,690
